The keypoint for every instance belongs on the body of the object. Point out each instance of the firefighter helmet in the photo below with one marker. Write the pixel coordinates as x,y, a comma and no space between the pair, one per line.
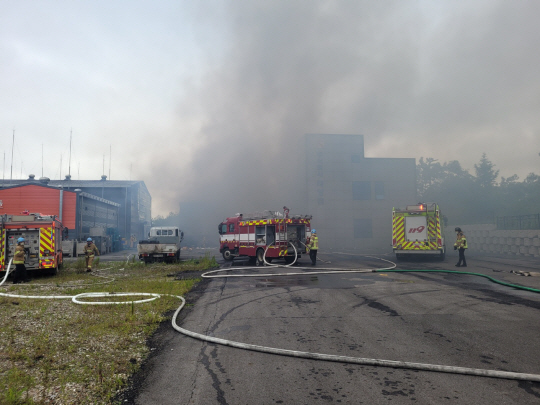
313,231
458,229
89,240
20,240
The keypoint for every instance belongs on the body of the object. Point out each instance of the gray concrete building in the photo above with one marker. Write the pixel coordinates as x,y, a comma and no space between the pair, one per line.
351,196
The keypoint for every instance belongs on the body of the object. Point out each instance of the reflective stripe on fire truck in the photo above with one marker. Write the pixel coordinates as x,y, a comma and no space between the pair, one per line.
398,230
46,243
273,221
2,248
438,224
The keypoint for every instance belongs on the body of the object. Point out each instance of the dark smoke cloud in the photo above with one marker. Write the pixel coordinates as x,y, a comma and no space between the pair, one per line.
450,81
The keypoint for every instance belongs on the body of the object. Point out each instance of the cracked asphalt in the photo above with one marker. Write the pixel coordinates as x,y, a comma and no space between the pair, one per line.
434,318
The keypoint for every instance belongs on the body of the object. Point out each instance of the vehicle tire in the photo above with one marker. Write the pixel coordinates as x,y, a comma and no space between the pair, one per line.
227,255
443,255
289,259
399,257
260,256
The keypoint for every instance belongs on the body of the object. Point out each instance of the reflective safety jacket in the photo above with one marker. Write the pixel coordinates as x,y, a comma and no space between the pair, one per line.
314,243
18,257
461,241
90,250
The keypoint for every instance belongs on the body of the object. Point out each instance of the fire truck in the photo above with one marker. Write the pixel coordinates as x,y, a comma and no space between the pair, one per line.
418,230
42,241
277,233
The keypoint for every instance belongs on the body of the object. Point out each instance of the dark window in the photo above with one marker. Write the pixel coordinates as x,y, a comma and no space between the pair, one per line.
231,227
379,190
361,190
363,228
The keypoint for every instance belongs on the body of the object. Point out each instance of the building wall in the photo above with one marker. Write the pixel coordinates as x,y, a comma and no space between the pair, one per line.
44,200
350,196
485,239
97,214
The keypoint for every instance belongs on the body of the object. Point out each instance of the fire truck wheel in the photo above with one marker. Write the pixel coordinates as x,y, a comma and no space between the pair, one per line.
227,255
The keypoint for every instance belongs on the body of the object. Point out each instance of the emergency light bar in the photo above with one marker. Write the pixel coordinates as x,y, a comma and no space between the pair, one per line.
418,207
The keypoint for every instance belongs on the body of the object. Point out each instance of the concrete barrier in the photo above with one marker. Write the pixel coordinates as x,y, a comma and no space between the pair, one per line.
485,238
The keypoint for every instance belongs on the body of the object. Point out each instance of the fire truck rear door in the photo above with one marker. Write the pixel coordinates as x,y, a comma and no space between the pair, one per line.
415,228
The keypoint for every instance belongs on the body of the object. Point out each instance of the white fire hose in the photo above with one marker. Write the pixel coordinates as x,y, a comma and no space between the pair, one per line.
284,352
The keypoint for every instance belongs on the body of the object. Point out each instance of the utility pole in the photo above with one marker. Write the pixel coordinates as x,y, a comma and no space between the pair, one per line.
110,160
69,167
12,146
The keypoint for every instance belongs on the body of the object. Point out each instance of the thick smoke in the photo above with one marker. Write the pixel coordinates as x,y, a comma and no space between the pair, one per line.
449,81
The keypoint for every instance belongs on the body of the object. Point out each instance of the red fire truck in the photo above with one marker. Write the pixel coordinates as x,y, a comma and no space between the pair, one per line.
273,232
43,241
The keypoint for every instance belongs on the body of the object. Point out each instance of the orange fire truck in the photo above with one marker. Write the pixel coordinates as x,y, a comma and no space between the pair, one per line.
277,233
42,241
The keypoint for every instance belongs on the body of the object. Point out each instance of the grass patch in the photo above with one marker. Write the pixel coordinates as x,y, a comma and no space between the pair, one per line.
55,351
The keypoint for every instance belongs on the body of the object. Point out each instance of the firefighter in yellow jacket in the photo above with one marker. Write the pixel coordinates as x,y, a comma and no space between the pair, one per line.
20,274
90,250
313,247
460,246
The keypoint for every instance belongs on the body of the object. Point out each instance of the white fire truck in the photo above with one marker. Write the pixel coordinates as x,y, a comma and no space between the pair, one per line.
271,231
418,230
43,241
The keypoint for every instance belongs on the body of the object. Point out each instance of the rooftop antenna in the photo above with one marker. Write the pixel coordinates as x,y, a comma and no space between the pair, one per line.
12,145
69,167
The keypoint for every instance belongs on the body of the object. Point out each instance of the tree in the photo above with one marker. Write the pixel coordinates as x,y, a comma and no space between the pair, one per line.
485,174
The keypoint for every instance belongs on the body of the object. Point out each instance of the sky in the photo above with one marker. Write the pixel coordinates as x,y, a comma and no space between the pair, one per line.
211,99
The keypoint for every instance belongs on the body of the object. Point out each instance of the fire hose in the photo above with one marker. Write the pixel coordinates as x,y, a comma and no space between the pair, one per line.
300,354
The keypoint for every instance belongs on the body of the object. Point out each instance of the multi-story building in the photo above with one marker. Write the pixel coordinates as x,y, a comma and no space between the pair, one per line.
350,196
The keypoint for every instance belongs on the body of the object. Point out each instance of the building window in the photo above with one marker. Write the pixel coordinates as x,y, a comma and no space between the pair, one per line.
361,190
379,190
363,228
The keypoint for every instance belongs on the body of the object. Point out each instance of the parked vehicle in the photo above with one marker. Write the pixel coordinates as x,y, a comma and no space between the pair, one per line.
162,245
418,230
43,241
277,233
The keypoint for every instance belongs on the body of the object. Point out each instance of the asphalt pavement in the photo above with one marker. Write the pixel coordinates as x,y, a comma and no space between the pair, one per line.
450,319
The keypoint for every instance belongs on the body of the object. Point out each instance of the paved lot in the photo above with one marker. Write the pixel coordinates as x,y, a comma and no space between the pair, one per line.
434,318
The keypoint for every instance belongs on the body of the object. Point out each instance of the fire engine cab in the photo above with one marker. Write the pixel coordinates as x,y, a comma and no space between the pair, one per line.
43,241
276,233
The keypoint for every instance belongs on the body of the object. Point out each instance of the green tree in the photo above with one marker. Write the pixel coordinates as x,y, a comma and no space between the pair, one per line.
485,172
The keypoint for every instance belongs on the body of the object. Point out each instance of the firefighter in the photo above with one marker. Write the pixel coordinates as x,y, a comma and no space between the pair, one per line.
20,275
313,246
460,246
89,251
